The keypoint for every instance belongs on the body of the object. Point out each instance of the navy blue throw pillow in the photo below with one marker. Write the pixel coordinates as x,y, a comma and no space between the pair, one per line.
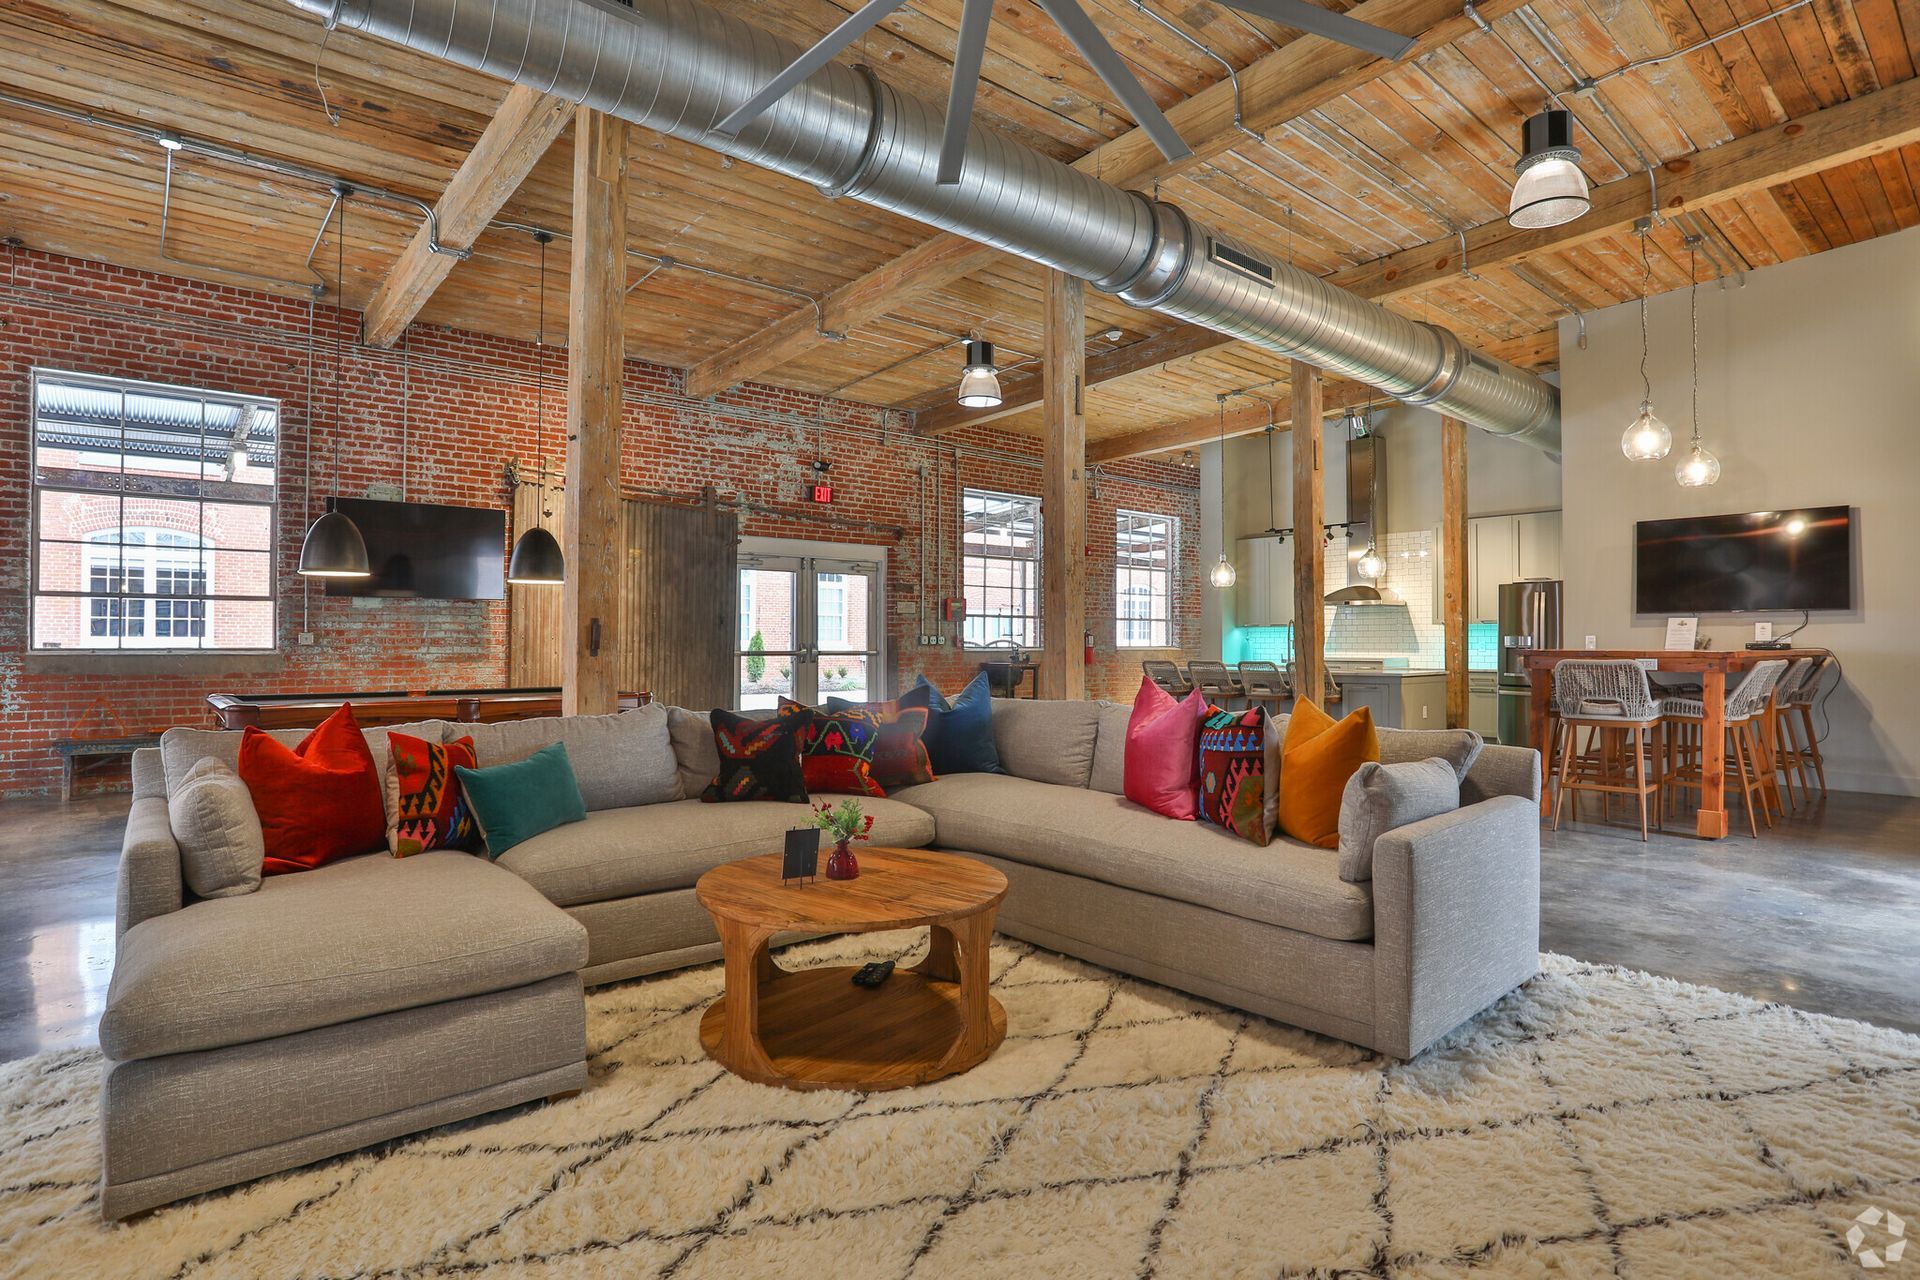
959,734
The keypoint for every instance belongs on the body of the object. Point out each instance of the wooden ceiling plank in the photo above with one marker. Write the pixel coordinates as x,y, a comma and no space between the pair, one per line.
527,123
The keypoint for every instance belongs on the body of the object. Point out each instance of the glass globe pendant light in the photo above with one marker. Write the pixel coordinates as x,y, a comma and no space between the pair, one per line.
1699,468
1647,438
1223,575
333,547
1370,564
537,560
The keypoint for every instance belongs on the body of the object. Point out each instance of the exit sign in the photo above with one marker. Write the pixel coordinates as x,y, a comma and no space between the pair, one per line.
820,493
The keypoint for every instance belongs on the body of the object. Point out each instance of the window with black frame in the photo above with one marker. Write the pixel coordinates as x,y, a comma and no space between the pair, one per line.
1000,569
1145,548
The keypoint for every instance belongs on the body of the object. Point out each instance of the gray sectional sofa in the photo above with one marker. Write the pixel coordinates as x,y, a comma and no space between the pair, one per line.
378,996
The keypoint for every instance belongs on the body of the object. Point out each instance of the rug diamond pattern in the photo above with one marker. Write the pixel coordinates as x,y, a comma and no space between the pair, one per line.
1596,1122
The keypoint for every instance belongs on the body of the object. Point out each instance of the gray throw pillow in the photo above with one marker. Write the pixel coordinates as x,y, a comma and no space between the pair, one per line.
214,823
1384,797
1458,747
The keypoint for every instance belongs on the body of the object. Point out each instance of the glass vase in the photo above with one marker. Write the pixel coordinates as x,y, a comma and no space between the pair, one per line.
841,864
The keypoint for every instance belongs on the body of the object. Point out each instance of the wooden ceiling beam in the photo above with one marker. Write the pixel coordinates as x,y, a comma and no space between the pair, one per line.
1854,130
1294,79
1205,428
519,134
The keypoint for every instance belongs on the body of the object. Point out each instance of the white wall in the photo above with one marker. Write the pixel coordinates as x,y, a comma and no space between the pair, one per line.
1809,394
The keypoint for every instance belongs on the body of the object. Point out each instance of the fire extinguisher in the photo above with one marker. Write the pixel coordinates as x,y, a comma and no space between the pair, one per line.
1086,638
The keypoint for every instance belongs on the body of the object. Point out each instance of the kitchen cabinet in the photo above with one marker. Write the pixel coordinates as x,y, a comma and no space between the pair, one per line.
1396,699
1263,591
1502,549
1483,704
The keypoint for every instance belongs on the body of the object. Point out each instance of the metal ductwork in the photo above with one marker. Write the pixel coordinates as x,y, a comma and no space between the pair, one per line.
678,67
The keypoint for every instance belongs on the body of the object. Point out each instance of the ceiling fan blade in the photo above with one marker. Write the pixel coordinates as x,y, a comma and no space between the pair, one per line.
856,25
967,54
1311,18
1100,55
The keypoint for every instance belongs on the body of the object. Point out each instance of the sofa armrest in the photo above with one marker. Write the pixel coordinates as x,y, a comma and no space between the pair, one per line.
1502,771
1456,909
149,883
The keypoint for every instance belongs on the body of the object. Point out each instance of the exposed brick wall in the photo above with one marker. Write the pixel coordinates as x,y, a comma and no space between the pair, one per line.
469,410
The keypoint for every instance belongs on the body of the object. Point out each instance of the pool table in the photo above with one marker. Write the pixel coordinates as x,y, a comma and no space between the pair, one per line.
305,710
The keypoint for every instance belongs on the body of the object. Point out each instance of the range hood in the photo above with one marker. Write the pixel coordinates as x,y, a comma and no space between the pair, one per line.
1366,466
1362,593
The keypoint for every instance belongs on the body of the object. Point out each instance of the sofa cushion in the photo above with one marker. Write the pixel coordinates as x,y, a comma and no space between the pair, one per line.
221,846
1385,797
1046,740
1111,839
181,747
348,940
1110,749
695,755
618,760
617,853
1458,747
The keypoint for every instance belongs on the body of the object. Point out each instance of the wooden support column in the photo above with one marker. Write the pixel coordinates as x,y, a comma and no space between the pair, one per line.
596,338
1309,514
1063,620
1453,564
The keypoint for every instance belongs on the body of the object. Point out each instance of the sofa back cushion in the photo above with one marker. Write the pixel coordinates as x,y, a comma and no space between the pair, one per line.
1046,740
1110,749
619,761
181,748
1458,747
695,756
214,823
1384,797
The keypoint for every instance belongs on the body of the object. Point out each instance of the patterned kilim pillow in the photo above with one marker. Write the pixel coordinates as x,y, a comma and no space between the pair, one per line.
425,806
1239,772
900,759
759,759
836,748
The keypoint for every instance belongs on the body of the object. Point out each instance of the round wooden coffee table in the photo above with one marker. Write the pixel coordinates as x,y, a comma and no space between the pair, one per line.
814,1029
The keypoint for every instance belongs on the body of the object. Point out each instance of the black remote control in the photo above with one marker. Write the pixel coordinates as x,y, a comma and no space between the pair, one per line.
872,975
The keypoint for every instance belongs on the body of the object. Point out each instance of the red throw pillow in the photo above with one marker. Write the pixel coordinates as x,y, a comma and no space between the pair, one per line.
425,806
836,749
1163,735
317,801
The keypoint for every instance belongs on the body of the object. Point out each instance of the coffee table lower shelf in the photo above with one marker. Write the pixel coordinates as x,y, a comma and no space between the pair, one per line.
817,1030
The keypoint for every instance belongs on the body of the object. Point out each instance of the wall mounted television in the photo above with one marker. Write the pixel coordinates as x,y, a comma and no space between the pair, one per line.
1761,561
420,550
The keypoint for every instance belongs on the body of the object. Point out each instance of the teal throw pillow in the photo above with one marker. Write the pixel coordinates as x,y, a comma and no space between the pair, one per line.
516,802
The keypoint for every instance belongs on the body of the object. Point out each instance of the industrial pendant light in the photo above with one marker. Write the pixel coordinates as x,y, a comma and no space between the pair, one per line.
1699,468
334,547
1223,575
1646,439
1550,189
537,558
980,380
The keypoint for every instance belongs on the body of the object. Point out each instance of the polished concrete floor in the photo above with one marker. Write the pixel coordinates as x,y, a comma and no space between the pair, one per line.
1823,913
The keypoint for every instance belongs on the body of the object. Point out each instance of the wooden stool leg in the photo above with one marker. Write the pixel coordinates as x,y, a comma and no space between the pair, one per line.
1813,746
1740,770
1566,755
1640,777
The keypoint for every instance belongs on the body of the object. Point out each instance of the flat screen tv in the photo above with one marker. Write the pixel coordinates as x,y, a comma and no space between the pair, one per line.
1758,562
423,551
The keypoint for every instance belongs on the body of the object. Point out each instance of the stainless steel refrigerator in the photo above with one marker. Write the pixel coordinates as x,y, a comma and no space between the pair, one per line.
1529,619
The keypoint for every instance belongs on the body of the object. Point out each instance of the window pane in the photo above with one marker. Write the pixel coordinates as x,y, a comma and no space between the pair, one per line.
843,676
764,681
1143,579
767,608
242,526
239,573
1000,568
236,624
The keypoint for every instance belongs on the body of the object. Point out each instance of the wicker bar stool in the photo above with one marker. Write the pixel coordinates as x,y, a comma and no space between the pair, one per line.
1613,702
1746,742
1783,751
1799,747
1167,676
1264,684
1215,680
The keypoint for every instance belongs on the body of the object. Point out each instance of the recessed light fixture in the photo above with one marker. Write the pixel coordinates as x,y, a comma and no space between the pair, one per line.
1550,189
979,380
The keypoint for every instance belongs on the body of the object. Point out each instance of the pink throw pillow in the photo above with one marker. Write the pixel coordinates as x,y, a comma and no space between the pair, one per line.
1163,736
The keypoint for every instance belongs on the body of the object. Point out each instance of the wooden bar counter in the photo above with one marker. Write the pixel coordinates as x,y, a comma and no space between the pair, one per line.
471,706
1711,665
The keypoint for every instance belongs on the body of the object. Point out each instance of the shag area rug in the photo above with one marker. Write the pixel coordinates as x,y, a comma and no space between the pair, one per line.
1597,1122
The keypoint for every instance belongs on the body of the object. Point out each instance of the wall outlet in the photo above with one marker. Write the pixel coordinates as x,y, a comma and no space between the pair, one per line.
305,637
1593,642
933,641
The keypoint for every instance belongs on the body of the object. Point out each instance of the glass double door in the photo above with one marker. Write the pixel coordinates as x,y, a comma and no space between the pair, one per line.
809,630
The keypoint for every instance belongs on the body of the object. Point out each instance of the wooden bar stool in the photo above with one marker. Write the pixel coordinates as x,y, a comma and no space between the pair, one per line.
1217,682
1614,703
1264,684
1746,742
1798,744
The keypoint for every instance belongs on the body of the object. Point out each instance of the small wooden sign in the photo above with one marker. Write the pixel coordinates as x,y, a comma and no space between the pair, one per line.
802,860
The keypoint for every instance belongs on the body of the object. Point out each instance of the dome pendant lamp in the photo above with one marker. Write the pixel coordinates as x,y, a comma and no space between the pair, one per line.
334,547
980,380
1550,189
537,559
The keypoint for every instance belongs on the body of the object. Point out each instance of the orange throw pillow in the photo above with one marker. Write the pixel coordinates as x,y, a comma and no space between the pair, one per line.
1320,754
318,801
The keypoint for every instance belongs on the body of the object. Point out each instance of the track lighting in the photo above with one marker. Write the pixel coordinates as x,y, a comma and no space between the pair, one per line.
1550,189
980,380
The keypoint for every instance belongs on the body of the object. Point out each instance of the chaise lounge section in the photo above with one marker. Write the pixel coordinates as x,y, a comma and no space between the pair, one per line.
378,996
